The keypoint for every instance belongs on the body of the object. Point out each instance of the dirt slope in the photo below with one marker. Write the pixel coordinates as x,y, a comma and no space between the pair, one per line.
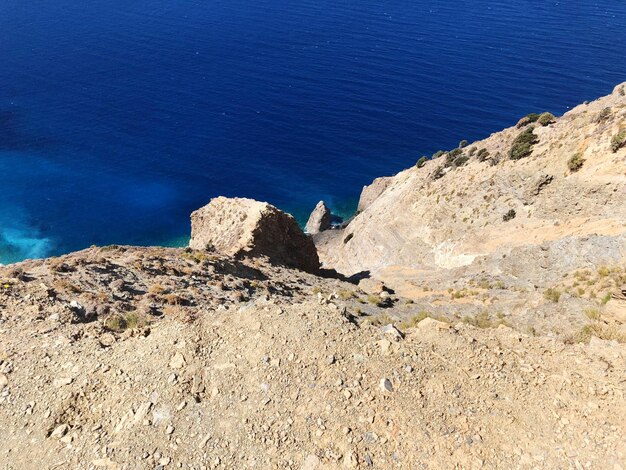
283,378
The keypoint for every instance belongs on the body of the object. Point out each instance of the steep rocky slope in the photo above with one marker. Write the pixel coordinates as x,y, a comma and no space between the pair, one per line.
500,233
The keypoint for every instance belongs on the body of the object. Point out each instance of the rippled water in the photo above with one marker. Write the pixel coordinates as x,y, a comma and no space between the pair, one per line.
118,118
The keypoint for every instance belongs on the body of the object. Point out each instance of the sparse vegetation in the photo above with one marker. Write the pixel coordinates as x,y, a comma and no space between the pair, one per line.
551,294
618,140
605,298
378,320
122,322
593,314
438,154
546,119
438,173
463,144
376,300
347,295
603,115
460,161
482,154
421,162
528,119
484,320
576,162
600,331
523,144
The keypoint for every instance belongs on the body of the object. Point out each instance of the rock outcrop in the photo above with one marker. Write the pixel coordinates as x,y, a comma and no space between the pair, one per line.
371,192
320,219
242,227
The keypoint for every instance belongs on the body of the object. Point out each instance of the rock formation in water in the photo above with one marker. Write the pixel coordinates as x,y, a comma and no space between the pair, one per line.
320,219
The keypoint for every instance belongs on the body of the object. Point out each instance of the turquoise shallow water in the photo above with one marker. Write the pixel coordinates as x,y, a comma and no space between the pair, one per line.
117,119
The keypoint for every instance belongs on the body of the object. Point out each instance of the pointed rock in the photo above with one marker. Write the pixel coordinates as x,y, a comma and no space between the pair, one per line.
320,219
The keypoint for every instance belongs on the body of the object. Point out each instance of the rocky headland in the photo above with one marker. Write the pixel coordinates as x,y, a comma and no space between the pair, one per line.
471,315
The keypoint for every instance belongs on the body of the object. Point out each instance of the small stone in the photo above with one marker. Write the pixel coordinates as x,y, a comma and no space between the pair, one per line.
60,431
385,385
169,430
177,361
106,340
61,382
391,331
330,360
3,381
311,462
347,394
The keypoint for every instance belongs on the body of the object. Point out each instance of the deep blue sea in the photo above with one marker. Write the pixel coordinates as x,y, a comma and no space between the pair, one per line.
118,118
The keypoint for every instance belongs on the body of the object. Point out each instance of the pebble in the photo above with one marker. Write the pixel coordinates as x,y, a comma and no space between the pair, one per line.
392,331
106,340
62,381
177,361
3,381
60,431
385,385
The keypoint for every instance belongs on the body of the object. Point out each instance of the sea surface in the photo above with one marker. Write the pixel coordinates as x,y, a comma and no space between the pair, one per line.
118,118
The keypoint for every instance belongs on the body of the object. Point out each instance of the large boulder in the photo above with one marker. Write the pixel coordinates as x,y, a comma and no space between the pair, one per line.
320,219
247,228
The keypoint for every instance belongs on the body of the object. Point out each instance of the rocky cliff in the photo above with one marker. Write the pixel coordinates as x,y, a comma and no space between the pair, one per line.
476,319
525,213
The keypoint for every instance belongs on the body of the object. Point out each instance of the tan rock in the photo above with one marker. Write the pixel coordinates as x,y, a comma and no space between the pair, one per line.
371,192
246,228
320,219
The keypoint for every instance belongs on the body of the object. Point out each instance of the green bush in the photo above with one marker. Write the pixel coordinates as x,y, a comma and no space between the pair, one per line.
463,144
421,162
472,151
576,162
523,144
460,161
618,140
553,295
482,155
528,119
438,154
546,119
